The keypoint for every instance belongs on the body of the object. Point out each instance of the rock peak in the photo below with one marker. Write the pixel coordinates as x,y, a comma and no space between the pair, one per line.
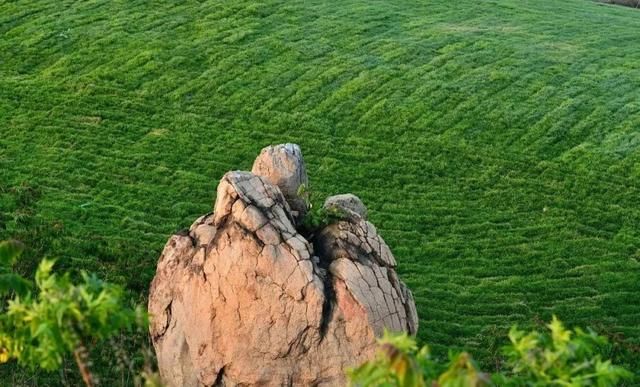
283,166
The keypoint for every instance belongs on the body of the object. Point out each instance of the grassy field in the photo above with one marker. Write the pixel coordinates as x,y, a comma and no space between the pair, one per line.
496,143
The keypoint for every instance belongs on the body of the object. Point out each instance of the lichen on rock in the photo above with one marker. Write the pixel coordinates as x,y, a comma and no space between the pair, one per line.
243,298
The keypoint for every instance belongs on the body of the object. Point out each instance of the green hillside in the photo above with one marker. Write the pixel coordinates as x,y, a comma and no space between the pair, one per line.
495,143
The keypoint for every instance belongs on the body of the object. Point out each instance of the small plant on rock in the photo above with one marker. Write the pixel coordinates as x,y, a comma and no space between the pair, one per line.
317,217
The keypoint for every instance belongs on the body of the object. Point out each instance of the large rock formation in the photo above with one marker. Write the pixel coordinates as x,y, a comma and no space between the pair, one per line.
243,298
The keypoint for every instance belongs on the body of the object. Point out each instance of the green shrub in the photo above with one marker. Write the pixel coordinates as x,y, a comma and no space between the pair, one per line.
399,362
559,358
563,358
39,326
9,281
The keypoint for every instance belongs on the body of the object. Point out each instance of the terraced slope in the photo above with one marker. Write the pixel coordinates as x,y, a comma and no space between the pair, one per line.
496,143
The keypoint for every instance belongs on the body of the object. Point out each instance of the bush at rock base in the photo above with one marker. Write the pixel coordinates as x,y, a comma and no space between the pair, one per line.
559,358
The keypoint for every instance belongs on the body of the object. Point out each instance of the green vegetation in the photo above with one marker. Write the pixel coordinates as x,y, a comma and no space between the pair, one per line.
10,282
495,143
561,358
400,363
38,329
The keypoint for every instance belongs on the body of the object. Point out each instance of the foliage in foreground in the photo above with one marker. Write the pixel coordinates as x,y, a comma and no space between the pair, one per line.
39,327
559,358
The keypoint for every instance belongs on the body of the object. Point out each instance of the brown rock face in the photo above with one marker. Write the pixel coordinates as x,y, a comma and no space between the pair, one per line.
244,299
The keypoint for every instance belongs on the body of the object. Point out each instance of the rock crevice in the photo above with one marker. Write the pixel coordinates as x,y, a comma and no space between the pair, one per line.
243,298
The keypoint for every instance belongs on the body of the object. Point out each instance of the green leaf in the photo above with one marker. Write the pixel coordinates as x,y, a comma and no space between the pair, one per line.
10,251
44,272
10,282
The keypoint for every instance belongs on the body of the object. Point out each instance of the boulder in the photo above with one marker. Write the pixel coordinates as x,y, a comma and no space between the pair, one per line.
349,203
243,298
282,165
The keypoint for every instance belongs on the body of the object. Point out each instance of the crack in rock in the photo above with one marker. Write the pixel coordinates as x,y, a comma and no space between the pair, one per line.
243,298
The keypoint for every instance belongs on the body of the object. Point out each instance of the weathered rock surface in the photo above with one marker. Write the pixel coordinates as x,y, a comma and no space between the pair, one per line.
360,257
283,165
243,298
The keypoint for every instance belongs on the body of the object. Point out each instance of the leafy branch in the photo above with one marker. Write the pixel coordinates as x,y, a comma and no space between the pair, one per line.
40,325
560,357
